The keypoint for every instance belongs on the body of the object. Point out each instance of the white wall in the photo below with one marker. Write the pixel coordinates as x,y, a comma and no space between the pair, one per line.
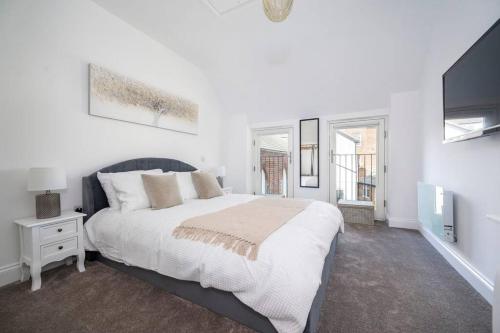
46,49
404,159
470,169
237,153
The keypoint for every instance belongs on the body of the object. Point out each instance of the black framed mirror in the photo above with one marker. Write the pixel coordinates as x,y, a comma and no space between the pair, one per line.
309,153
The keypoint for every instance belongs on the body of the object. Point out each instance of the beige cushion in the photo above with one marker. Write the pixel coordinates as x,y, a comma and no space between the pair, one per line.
206,185
162,190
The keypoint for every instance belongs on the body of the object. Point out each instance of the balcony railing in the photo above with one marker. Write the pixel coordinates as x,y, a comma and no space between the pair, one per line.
356,176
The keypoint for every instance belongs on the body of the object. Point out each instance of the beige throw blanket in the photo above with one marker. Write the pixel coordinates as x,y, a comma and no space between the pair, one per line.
241,228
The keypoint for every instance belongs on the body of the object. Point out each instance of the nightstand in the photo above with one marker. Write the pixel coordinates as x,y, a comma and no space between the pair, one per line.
227,190
48,240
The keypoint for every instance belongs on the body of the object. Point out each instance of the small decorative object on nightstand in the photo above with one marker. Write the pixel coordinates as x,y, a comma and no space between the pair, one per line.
227,190
49,240
47,179
220,173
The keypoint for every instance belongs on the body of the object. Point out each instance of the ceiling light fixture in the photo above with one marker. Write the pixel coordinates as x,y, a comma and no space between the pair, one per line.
277,10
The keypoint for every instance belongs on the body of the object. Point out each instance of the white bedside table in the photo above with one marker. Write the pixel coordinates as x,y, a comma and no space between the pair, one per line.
227,190
47,240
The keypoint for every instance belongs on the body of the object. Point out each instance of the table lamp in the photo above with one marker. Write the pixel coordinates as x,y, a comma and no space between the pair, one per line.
47,179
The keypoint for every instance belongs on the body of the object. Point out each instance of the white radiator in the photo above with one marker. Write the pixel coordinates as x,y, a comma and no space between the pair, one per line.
435,211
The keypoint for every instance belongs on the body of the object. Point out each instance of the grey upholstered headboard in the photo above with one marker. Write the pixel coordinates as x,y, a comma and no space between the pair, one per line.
94,198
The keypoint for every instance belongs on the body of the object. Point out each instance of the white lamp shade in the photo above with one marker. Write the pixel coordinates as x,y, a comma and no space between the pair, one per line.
220,171
45,179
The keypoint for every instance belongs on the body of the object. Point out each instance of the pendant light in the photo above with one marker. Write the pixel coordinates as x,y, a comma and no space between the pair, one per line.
277,10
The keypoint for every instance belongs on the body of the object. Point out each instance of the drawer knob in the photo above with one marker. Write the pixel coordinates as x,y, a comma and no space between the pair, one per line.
60,247
59,230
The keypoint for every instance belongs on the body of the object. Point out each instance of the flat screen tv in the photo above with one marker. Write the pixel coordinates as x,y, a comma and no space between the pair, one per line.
471,90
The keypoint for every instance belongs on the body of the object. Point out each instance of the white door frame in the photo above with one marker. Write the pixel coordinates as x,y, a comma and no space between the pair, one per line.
256,172
381,122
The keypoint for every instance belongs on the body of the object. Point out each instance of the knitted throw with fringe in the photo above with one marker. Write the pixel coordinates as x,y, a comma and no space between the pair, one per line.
241,228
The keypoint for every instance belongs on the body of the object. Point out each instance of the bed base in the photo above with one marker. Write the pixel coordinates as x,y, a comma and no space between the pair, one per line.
223,302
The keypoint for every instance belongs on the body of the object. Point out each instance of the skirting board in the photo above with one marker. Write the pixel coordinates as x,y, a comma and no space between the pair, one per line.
12,273
477,280
395,222
9,274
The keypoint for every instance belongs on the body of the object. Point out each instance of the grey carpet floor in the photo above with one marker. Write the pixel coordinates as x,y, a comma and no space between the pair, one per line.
384,280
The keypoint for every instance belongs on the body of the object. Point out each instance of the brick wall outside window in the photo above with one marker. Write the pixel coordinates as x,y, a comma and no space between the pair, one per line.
272,164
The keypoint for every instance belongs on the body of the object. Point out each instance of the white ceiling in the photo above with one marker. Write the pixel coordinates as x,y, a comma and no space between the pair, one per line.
329,56
222,7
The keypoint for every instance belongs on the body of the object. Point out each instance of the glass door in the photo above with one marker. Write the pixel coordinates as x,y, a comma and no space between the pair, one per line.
273,162
357,163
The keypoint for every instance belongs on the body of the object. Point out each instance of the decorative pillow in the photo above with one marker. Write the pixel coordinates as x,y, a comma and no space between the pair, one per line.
130,189
206,185
185,184
163,190
107,186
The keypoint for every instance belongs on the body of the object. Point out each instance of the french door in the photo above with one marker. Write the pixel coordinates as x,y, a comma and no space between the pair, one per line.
357,162
273,162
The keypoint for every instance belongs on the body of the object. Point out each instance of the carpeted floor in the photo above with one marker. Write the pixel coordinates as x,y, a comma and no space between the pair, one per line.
384,280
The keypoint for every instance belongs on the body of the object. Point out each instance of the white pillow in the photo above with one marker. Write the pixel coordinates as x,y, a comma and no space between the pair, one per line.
130,189
107,186
186,185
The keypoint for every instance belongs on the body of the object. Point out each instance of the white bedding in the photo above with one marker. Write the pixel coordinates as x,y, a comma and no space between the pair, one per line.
280,284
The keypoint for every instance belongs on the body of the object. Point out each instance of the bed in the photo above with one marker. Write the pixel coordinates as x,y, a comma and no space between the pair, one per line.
140,244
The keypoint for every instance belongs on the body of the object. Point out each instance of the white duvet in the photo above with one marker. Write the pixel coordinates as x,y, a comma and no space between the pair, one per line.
280,284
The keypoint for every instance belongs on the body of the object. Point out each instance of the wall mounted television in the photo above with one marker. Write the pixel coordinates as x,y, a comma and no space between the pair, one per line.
471,90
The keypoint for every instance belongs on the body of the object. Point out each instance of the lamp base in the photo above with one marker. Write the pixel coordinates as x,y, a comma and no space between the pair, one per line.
48,205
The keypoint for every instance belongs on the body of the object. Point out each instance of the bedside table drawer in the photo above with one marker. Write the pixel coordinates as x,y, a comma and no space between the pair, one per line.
58,231
50,251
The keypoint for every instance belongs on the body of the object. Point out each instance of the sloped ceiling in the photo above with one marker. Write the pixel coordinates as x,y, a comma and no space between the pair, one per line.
329,56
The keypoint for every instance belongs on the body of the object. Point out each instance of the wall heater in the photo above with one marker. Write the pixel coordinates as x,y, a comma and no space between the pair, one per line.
435,211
